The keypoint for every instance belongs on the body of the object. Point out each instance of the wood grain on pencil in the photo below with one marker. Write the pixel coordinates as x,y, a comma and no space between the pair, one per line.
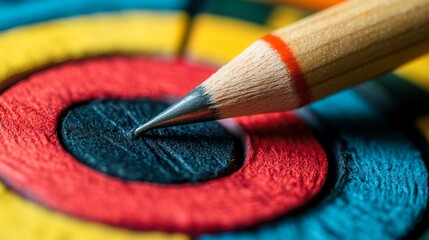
320,55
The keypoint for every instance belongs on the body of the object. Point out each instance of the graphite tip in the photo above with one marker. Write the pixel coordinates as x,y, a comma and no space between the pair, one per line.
192,108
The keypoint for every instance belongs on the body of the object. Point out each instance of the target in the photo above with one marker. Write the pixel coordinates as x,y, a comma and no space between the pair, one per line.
351,165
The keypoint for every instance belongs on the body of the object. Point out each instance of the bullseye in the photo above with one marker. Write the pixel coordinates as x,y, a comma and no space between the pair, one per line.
98,134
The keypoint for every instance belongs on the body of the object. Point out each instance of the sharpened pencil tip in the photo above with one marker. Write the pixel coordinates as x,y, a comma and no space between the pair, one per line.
141,129
194,107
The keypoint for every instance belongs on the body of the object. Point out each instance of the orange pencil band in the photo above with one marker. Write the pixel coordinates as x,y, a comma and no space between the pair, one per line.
315,5
291,63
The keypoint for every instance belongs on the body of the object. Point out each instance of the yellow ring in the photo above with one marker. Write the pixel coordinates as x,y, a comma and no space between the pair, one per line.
33,47
22,219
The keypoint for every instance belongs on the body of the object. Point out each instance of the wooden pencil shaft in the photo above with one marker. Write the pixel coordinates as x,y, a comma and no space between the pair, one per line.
325,53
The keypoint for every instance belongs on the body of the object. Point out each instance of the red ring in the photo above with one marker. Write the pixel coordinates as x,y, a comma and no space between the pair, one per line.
285,166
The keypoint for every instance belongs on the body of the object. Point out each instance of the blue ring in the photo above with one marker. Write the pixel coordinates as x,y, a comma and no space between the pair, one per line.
14,14
381,187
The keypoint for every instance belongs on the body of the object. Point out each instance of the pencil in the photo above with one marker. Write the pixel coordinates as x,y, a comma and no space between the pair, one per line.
327,52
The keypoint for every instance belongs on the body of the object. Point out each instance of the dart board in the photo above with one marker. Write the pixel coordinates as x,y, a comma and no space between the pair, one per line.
76,77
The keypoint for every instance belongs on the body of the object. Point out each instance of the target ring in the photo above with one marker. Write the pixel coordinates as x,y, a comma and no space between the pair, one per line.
58,180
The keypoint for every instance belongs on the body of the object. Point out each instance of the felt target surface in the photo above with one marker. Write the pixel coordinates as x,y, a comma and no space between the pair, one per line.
291,182
71,170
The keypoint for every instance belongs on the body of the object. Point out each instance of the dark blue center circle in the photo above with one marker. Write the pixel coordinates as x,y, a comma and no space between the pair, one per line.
98,134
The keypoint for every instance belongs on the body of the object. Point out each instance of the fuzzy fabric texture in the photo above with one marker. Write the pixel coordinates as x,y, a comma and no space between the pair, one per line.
98,134
284,167
380,180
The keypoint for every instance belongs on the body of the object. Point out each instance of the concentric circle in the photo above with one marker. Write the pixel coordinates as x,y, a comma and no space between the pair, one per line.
285,166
